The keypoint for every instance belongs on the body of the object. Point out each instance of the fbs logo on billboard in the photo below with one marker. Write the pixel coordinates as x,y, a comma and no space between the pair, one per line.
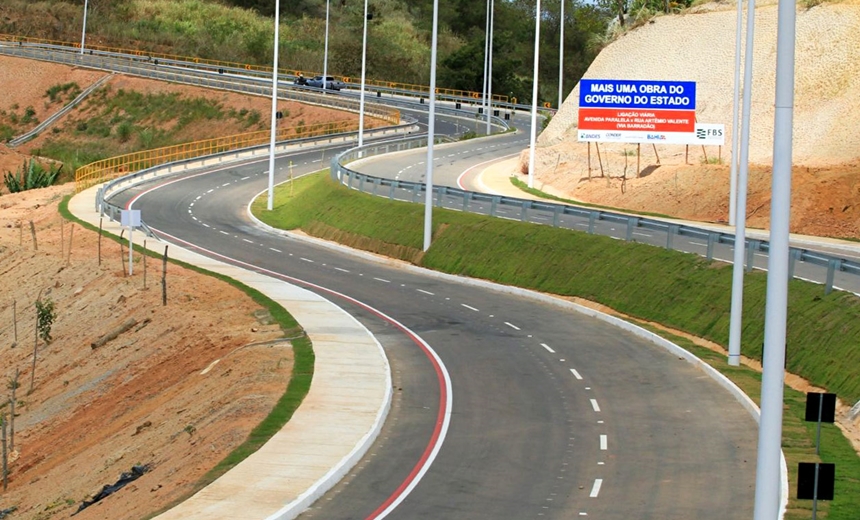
709,132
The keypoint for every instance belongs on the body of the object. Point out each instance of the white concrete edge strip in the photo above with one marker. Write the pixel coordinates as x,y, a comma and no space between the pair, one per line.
294,508
722,380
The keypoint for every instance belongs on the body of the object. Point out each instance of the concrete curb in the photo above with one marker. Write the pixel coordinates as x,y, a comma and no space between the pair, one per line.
338,421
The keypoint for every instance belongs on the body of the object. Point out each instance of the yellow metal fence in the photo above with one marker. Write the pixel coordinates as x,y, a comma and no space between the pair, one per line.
111,168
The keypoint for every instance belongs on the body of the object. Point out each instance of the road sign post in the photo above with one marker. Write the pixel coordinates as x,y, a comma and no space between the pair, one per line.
130,218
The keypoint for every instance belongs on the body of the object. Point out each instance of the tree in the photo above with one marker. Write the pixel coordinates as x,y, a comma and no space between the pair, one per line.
45,316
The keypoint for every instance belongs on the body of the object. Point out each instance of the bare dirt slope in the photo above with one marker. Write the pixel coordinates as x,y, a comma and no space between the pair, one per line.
178,391
699,46
24,83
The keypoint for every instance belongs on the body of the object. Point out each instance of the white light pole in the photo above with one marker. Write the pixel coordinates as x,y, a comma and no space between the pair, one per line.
736,317
325,51
490,70
486,63
431,133
363,67
767,478
736,134
561,59
274,111
84,30
534,98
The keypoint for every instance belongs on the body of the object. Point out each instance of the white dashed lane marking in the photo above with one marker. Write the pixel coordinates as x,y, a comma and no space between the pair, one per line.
604,442
307,260
469,307
341,270
425,292
595,489
275,250
575,373
511,325
544,345
382,280
595,405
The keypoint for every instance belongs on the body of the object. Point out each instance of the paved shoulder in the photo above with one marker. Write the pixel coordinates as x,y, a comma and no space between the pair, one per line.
337,422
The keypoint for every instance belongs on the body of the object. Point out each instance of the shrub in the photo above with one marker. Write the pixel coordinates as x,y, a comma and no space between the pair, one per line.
31,175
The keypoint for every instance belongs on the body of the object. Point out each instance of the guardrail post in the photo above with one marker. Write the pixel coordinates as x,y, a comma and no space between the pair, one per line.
493,204
556,213
415,190
391,190
441,191
98,199
467,196
361,180
793,256
832,266
671,231
632,223
753,247
591,218
351,177
525,210
376,183
712,238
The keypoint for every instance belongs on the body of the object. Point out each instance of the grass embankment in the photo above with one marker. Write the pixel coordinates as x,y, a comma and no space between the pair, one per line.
300,379
678,290
115,122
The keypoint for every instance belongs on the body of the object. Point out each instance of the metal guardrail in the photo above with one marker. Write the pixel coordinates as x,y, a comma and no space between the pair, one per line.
395,87
152,69
239,80
57,115
119,184
464,200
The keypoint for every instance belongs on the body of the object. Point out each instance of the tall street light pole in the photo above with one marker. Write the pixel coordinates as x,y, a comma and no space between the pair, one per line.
736,313
534,98
325,51
363,70
561,58
431,132
274,111
490,69
484,89
767,478
736,134
84,30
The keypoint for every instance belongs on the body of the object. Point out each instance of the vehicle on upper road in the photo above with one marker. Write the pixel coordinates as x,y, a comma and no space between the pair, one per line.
330,83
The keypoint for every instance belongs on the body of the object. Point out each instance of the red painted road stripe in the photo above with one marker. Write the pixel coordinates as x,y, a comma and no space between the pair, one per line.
443,417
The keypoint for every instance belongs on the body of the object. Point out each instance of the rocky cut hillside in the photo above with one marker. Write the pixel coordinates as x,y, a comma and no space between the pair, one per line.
693,183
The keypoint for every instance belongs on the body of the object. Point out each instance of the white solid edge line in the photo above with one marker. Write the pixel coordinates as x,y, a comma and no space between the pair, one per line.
333,476
337,472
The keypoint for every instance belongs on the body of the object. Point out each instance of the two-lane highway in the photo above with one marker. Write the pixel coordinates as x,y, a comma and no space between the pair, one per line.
551,414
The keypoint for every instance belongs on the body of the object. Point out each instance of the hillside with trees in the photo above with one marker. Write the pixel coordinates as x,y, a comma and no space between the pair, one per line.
399,35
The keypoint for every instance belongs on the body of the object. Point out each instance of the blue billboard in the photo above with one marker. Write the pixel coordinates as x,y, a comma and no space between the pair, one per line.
637,94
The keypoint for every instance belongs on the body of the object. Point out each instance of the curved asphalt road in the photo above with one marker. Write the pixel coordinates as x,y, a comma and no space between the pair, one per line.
554,415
